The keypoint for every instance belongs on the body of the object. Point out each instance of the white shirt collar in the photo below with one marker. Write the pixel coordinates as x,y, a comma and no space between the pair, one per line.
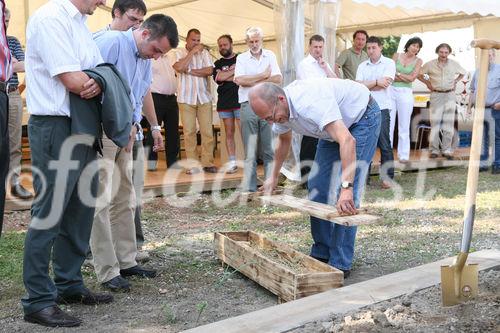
311,59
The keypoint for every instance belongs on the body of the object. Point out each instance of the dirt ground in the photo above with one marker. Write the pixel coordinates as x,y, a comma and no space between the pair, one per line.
421,312
193,289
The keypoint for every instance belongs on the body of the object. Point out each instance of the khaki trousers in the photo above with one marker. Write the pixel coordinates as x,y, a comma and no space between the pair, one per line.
442,110
112,239
15,131
203,112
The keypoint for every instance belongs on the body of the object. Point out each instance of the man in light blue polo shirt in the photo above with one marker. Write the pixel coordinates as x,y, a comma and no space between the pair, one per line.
491,114
113,239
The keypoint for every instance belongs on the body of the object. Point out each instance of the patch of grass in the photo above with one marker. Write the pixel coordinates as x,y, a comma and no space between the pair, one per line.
168,314
11,264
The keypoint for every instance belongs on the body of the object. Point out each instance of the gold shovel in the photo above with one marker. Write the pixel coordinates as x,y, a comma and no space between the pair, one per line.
459,282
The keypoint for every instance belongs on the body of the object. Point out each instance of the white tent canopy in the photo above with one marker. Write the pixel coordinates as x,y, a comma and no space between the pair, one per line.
216,17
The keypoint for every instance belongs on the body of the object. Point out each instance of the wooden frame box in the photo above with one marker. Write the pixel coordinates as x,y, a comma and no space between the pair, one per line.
285,272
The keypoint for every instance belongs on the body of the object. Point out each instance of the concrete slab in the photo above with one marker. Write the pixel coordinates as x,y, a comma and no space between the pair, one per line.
284,317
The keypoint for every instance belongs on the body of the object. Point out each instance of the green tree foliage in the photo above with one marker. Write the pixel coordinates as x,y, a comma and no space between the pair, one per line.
390,45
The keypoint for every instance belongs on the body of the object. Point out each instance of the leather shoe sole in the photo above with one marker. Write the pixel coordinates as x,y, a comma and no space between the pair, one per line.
52,316
87,298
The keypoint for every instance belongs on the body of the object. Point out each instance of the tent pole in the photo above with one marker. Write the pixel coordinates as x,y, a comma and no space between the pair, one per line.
152,9
26,12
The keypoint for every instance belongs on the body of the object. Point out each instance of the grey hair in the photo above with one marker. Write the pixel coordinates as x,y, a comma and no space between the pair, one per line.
252,31
268,92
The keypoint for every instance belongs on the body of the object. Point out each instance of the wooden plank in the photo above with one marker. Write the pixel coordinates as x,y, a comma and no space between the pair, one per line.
320,210
285,317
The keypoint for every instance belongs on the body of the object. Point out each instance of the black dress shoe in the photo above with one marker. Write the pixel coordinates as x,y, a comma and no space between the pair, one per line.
495,170
20,192
118,283
86,297
346,272
138,271
52,316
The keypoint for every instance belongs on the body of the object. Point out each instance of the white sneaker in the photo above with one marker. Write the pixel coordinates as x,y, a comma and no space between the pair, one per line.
232,167
142,256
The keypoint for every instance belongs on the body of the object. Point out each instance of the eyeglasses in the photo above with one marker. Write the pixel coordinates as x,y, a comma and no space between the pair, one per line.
133,18
271,117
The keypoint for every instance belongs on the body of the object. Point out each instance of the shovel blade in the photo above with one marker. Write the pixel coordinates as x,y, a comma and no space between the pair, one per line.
468,280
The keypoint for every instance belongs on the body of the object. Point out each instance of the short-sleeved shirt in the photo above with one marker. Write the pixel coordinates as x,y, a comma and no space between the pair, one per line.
46,56
442,78
227,91
17,52
164,80
333,99
120,49
247,64
368,71
349,61
492,86
309,68
192,89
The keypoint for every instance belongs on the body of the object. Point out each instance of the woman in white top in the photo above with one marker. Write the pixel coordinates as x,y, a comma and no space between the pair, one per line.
407,69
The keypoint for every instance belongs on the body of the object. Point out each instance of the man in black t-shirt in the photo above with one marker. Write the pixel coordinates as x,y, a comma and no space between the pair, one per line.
227,103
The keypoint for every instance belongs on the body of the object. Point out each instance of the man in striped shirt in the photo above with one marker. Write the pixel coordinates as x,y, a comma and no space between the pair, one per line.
15,114
194,66
5,73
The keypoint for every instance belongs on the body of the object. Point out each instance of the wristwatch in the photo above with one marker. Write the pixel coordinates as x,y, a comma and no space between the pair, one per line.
345,185
156,128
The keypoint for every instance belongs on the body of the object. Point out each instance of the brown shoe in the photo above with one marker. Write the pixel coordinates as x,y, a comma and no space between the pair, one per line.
211,169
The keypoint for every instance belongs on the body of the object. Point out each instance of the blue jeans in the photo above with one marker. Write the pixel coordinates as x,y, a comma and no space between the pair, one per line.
491,119
335,242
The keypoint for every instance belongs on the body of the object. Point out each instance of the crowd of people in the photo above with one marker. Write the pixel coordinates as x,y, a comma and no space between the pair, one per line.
97,103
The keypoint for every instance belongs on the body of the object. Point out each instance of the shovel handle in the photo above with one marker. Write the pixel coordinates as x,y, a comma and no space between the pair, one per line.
485,44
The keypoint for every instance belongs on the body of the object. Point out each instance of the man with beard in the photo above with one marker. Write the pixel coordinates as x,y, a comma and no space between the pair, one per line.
54,67
113,241
227,103
252,67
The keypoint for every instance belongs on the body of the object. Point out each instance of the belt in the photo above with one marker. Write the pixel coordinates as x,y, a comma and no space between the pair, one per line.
443,91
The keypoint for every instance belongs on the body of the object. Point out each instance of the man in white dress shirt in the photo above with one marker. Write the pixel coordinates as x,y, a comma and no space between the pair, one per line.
377,74
346,119
252,67
61,221
312,66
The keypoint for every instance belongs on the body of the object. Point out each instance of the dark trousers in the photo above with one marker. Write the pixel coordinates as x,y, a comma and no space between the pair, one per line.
61,222
384,144
167,111
4,151
307,153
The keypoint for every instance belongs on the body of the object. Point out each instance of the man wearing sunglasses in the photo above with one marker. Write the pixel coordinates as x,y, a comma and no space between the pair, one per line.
346,120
